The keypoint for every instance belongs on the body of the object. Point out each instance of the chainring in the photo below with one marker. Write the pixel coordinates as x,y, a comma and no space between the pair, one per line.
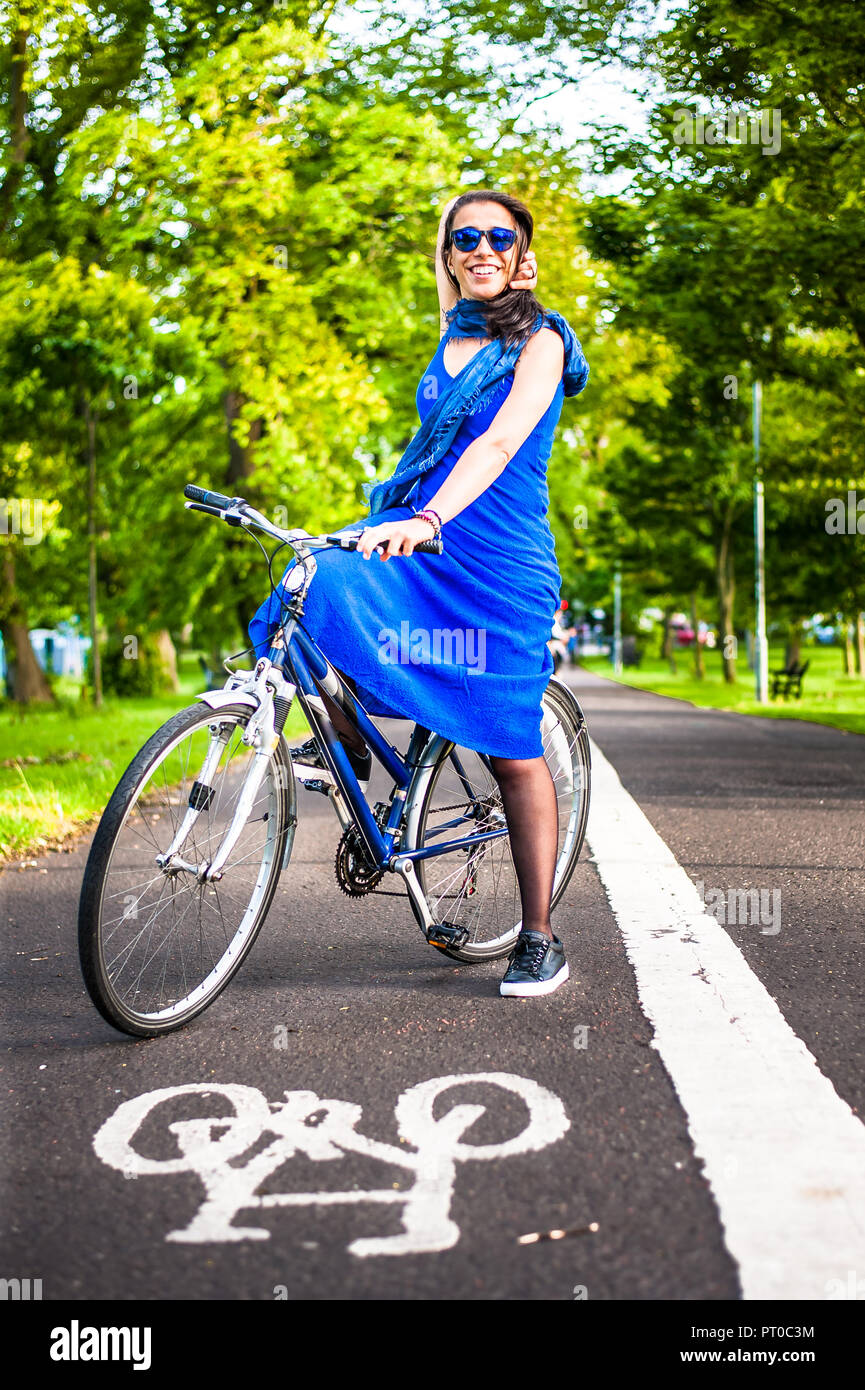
354,873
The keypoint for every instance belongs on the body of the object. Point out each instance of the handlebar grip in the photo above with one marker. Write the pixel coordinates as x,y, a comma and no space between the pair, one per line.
210,499
347,540
434,545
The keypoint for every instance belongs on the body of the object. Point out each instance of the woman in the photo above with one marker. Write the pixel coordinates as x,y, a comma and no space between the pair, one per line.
489,403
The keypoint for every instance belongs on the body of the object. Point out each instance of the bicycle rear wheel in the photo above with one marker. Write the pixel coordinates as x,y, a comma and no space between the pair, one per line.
157,945
458,795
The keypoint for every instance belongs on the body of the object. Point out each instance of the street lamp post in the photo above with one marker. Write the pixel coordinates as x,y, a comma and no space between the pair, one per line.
761,662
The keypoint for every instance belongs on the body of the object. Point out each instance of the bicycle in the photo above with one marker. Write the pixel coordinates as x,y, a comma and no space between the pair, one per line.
186,858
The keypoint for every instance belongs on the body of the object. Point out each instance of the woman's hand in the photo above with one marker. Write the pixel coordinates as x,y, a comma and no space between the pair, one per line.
401,537
526,277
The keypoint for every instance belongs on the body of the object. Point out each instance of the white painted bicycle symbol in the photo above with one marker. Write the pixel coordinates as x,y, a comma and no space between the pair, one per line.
323,1130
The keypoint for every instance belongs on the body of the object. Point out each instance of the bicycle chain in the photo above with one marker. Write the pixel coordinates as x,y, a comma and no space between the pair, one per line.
355,878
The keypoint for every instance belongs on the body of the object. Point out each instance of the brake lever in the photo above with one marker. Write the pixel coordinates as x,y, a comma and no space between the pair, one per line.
202,507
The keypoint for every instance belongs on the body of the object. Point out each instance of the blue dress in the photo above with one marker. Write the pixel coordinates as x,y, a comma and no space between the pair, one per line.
458,641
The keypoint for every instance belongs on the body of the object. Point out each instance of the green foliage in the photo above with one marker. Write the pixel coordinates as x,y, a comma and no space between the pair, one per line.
133,668
745,255
216,233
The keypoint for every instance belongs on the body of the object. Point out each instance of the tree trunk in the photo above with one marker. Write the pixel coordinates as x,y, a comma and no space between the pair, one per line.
849,662
725,576
167,656
240,456
665,633
793,649
95,658
699,668
667,652
25,679
241,463
860,643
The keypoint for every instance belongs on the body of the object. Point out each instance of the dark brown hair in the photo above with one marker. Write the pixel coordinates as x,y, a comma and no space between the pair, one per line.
512,314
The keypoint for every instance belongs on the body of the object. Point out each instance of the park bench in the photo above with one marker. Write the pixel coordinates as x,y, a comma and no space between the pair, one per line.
631,654
789,681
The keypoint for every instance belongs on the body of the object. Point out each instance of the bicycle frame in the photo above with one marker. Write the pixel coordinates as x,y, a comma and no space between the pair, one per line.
309,670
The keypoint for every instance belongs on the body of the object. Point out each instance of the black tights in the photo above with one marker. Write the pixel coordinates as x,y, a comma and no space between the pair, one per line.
531,811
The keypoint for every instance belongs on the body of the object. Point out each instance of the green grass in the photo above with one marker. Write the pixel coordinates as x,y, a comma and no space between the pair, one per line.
80,755
828,696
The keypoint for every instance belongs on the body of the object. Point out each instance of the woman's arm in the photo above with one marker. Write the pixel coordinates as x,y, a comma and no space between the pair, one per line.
536,380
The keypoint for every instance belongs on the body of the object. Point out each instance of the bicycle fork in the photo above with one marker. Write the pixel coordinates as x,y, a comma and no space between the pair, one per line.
263,732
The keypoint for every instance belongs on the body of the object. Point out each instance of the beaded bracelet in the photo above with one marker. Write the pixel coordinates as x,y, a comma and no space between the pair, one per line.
427,515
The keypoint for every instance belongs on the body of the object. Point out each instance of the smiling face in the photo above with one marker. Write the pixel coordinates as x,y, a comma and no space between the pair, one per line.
483,273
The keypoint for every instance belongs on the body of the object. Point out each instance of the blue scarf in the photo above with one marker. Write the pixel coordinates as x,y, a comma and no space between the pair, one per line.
466,394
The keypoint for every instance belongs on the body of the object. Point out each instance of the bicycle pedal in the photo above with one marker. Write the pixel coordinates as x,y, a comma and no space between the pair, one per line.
317,784
446,936
315,777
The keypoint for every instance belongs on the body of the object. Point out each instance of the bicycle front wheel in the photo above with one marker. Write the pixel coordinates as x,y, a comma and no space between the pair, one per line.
457,795
157,943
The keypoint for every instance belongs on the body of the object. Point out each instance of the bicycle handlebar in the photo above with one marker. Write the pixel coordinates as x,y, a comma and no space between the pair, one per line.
209,499
217,504
348,540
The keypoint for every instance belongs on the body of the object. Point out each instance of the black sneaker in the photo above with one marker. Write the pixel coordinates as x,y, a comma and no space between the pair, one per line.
537,966
309,755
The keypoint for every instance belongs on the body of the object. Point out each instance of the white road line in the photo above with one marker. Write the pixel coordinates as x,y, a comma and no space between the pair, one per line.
783,1153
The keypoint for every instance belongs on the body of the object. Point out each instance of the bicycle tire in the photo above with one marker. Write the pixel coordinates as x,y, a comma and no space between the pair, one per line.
108,943
563,721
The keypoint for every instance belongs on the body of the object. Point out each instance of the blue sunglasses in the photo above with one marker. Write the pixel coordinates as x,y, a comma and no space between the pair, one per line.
468,238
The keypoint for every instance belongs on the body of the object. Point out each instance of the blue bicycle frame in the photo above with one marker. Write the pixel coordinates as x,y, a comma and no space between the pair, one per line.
309,670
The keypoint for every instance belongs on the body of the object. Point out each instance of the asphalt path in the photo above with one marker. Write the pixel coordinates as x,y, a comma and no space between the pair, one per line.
343,1000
